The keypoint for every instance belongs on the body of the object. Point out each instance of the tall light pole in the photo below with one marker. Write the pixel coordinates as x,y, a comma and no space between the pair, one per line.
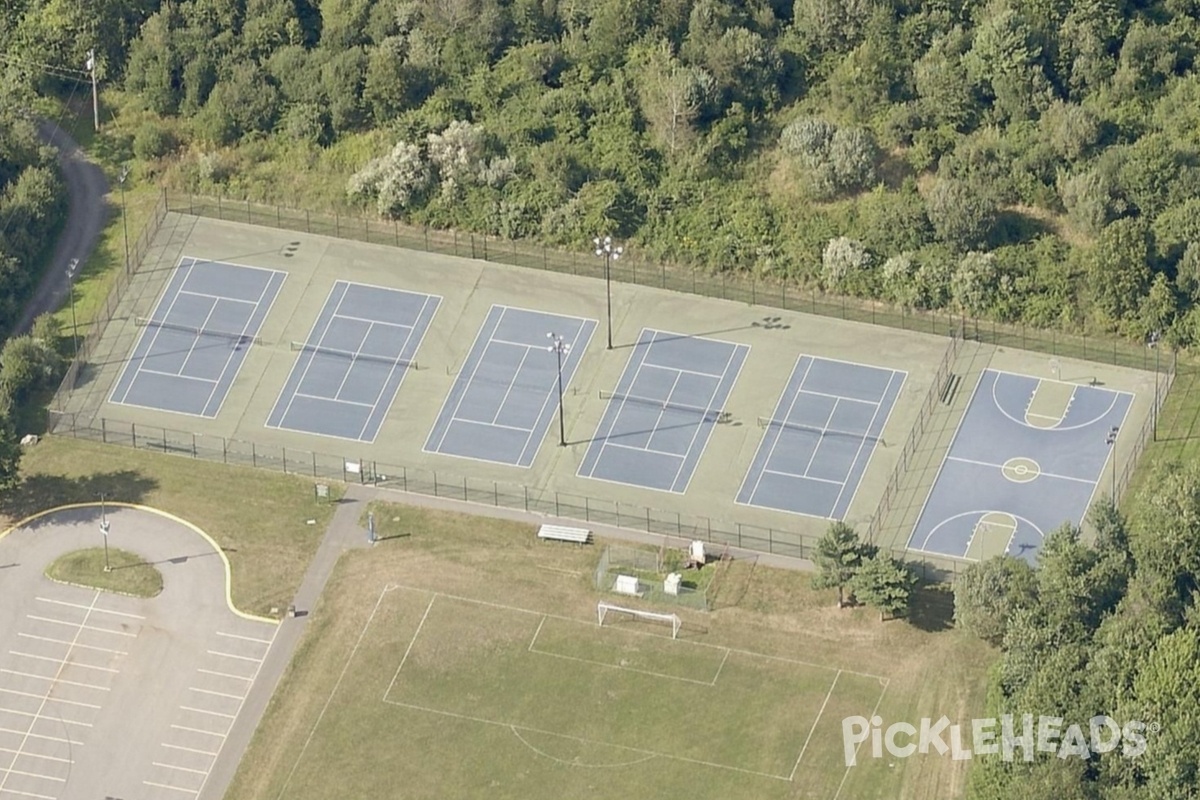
1155,336
560,348
1110,441
104,532
72,266
606,250
124,222
91,67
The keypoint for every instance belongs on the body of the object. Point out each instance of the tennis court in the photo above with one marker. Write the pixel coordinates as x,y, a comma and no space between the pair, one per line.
353,361
1027,457
659,420
193,344
506,394
826,425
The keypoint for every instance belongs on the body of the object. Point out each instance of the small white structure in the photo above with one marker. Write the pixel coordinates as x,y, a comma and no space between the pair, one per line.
602,610
627,584
671,584
29,439
696,553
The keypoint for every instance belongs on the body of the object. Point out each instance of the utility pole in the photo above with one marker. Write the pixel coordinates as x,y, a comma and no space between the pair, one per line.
124,216
91,67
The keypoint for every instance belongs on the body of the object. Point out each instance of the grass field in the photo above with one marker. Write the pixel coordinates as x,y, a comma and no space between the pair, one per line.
465,660
128,573
259,518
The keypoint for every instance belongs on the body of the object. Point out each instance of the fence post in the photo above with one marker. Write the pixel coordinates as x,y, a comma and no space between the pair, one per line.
103,430
284,451
307,222
556,504
164,438
337,224
374,473
314,455
278,216
249,219
495,494
133,433
219,207
526,491
224,450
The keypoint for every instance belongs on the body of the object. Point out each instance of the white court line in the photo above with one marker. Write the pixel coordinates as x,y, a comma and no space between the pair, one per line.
311,332
720,667
36,717
846,775
97,610
778,430
218,297
353,360
308,396
813,729
28,794
181,769
202,326
734,351
61,661
198,730
210,713
75,644
50,699
218,694
232,655
55,680
353,318
224,674
622,446
1000,466
413,641
517,428
37,775
189,749
245,638
56,759
821,437
149,351
167,786
863,443
805,477
887,418
44,737
465,386
245,327
845,399
412,331
640,353
82,626
512,382
535,633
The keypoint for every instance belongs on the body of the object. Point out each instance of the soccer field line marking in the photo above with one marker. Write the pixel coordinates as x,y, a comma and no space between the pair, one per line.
223,674
582,740
234,655
80,625
56,759
813,729
329,700
618,666
544,754
244,638
98,610
168,786
181,769
411,642
190,750
49,699
535,633
61,661
218,694
55,680
858,747
576,620
75,644
720,667
195,710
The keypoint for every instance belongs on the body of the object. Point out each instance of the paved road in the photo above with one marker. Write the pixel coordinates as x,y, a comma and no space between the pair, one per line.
87,209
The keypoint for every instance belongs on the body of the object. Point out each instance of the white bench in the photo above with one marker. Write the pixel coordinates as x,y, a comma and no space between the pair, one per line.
562,533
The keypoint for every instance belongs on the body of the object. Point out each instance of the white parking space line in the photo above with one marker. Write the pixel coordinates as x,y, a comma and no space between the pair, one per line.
224,674
37,775
60,661
55,680
166,786
231,655
49,699
76,644
37,755
80,626
48,719
198,730
211,713
246,638
71,742
190,750
181,769
27,794
218,694
97,609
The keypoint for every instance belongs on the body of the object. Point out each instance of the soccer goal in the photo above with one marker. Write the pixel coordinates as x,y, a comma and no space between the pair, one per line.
604,609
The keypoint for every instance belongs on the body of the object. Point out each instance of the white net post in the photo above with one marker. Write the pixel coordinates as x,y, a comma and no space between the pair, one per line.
603,609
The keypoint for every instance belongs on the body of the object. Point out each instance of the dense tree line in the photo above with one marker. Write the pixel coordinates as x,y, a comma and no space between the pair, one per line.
1019,160
1104,630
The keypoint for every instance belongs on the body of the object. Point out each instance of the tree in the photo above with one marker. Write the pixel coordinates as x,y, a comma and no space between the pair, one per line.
394,181
885,584
853,155
839,556
987,594
1118,271
976,283
843,262
1167,692
672,95
10,449
962,214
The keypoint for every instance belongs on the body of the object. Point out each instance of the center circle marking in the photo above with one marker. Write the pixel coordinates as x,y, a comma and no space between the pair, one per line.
1021,469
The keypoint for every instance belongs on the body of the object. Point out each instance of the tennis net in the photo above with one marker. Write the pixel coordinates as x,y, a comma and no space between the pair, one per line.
707,414
768,422
350,355
236,337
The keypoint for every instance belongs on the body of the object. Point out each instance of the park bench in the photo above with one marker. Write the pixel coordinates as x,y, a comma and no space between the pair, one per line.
562,533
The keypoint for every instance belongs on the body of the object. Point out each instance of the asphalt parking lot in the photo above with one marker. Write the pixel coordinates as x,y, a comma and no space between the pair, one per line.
107,696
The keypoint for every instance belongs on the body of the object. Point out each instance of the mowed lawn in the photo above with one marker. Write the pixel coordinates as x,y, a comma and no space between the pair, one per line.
260,519
462,658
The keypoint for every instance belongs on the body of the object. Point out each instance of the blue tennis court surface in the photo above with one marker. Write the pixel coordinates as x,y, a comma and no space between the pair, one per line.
659,419
506,393
353,362
195,341
1006,478
820,439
